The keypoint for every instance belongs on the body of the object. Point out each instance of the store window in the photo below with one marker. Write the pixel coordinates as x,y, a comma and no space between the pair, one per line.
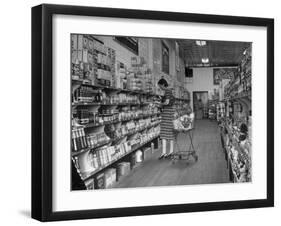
165,58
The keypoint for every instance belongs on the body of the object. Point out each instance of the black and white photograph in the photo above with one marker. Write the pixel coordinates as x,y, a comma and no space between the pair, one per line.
149,112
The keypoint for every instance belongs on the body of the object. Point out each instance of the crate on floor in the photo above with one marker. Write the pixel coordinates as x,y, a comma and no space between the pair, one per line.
156,145
110,177
133,160
147,153
123,169
139,156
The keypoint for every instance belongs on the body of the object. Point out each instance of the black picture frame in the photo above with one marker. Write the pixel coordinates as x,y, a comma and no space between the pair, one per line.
42,107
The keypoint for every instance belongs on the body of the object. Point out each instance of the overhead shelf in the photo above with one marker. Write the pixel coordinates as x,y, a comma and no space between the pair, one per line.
91,125
239,96
89,175
109,88
76,153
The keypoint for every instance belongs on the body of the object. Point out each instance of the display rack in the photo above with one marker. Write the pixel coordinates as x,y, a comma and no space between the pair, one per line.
113,106
100,126
236,123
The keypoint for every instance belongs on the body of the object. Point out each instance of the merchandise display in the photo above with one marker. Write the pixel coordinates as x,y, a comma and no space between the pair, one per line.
111,102
212,109
118,108
236,121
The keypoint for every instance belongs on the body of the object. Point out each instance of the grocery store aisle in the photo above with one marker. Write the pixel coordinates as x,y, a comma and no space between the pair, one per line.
210,168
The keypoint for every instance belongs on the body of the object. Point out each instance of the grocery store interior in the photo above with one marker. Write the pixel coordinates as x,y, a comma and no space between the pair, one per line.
159,112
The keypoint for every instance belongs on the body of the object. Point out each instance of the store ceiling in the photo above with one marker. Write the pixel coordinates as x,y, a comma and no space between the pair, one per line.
219,53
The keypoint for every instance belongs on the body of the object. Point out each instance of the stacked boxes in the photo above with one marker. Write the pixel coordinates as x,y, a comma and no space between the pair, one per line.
78,139
137,61
148,85
112,56
84,57
142,79
134,83
120,76
93,58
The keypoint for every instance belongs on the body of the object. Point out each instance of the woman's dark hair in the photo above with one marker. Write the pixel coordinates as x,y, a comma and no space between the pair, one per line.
163,82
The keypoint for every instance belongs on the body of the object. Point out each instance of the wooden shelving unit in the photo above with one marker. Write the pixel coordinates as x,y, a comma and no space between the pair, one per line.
98,72
90,175
76,84
238,93
75,153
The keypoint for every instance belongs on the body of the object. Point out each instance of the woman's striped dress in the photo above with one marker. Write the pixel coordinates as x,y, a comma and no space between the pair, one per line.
167,117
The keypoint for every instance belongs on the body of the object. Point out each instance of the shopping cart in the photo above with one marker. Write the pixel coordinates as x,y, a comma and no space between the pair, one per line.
187,129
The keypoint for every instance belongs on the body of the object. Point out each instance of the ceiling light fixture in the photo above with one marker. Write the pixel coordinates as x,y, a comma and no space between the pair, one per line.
205,60
200,43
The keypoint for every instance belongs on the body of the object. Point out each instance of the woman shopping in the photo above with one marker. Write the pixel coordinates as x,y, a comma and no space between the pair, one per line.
167,117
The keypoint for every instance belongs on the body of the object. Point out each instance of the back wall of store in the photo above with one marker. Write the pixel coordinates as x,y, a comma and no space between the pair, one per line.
202,81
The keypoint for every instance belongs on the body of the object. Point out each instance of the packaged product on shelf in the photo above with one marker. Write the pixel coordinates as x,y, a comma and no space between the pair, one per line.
80,42
74,141
101,157
110,177
74,56
134,83
118,81
74,42
110,153
137,61
100,181
85,42
124,130
136,141
127,147
95,139
78,139
80,55
90,44
90,58
96,162
77,70
90,184
85,55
